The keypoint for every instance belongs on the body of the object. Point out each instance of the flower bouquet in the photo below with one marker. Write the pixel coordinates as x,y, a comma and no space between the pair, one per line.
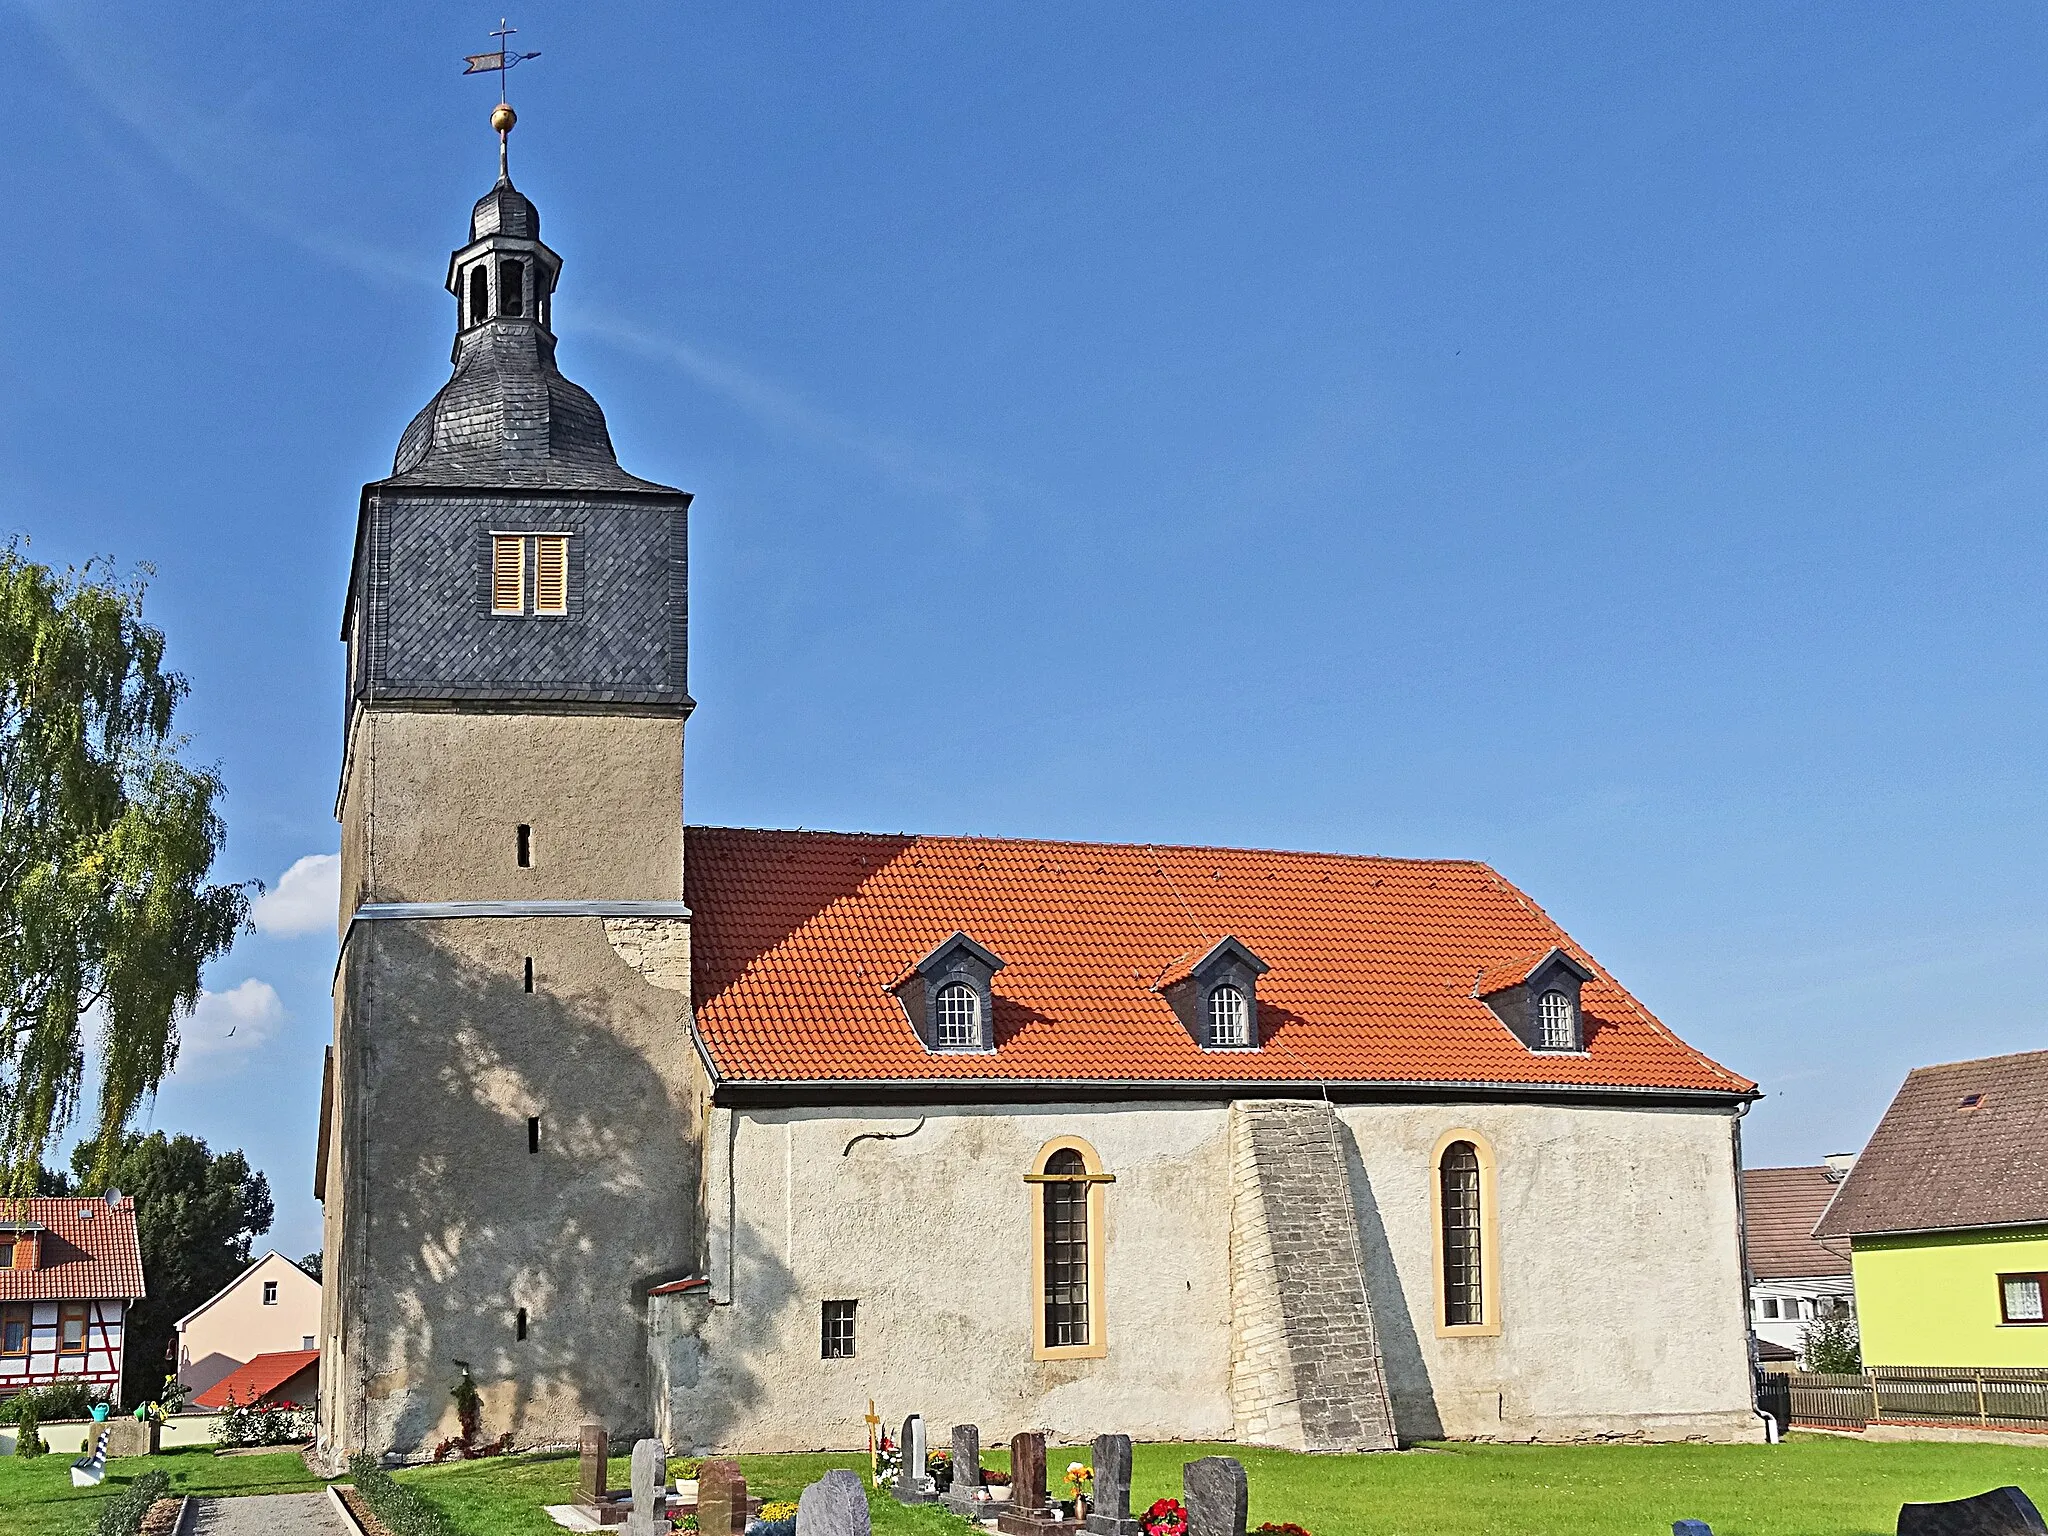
1168,1517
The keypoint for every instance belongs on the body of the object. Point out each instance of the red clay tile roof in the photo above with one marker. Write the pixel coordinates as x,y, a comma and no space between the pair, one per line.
1512,973
80,1257
1937,1161
796,936
1780,1206
254,1382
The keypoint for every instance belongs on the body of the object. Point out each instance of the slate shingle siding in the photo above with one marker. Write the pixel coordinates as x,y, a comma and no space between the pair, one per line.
431,635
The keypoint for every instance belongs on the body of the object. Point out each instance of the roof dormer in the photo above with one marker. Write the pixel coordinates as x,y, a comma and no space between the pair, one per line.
1537,997
949,995
1216,996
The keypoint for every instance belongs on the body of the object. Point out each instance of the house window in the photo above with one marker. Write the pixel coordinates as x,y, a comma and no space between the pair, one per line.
8,1243
14,1328
1464,1278
71,1328
1555,1024
1067,1251
305,1341
551,574
959,1010
1229,1020
508,574
2020,1298
835,1340
270,1293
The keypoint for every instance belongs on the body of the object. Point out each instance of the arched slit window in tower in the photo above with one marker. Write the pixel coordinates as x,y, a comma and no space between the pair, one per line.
511,288
1066,1251
959,1010
479,294
1464,1282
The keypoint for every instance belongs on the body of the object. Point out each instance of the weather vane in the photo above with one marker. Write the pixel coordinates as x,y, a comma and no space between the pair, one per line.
502,115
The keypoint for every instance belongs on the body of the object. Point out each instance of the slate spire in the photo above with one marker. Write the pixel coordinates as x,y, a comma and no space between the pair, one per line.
508,417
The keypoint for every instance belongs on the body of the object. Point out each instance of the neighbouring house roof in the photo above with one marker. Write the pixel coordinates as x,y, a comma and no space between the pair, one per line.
797,935
236,1283
1766,1350
1964,1144
257,1380
87,1251
1780,1206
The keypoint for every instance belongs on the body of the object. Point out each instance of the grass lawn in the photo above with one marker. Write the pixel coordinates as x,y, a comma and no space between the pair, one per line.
1814,1485
37,1499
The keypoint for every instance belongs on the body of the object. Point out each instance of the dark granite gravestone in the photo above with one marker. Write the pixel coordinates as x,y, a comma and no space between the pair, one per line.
593,1451
1029,1514
2001,1512
1691,1528
650,1490
721,1500
1216,1496
913,1485
960,1498
835,1505
1111,1512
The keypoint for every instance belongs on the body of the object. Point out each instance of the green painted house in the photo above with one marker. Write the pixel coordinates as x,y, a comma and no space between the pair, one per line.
1946,1217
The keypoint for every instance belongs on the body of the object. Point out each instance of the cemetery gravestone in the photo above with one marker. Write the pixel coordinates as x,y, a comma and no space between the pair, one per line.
721,1500
594,1449
966,1469
835,1505
1215,1493
912,1483
2001,1512
1111,1515
650,1490
1029,1514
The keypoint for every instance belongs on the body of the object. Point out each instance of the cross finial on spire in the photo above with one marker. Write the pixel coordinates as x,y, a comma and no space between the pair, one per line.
502,116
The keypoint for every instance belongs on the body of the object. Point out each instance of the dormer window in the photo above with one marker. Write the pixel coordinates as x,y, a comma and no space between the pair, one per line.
1215,996
949,996
1229,1019
959,1017
1537,998
1557,1021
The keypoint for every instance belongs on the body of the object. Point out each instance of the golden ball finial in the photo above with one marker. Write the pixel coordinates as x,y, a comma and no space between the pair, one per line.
503,117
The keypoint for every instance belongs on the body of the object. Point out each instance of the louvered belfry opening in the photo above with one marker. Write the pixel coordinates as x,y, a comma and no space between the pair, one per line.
1066,1251
508,574
551,574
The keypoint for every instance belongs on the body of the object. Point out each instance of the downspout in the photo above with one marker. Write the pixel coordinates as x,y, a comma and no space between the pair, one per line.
1744,1280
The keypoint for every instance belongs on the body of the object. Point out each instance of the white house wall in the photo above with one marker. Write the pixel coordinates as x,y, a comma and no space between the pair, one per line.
1621,1291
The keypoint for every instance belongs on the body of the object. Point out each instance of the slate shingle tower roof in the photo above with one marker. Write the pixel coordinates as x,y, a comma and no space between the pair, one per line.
508,417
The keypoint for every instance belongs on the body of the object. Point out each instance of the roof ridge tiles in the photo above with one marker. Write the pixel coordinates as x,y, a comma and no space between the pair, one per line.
1061,842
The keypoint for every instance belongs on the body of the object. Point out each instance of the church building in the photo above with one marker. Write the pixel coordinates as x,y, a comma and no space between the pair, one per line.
720,1133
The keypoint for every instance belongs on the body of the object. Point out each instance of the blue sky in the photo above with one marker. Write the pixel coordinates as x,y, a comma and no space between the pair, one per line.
1605,441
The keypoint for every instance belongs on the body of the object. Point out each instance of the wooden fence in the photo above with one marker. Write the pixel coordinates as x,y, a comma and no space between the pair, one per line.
1952,1398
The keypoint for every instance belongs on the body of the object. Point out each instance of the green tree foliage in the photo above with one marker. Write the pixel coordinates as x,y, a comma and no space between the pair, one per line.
197,1213
311,1263
1829,1345
106,841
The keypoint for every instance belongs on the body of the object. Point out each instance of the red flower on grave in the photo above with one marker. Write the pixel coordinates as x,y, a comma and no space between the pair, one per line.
1168,1517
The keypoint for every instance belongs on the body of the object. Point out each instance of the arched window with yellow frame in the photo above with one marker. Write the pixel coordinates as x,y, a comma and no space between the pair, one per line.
1068,1187
1464,1212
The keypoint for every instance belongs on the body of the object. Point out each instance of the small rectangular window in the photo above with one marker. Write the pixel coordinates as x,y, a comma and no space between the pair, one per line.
532,1134
305,1341
7,1247
71,1328
551,574
14,1329
270,1293
837,1340
525,841
519,1326
529,973
2020,1298
508,573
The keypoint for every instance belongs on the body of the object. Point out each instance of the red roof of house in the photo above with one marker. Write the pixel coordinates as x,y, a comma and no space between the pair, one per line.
796,937
87,1251
1780,1206
257,1380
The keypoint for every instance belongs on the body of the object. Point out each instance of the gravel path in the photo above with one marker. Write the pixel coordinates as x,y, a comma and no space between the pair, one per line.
270,1514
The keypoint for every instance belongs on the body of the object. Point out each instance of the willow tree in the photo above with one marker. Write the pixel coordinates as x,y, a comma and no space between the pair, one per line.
106,842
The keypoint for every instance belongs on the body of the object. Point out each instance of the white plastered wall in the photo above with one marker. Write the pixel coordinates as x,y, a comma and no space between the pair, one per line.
1620,1286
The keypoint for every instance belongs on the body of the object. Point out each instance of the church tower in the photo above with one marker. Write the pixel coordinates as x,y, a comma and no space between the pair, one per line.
508,1139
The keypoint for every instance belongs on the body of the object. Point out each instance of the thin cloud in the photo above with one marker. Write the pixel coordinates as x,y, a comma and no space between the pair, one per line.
304,900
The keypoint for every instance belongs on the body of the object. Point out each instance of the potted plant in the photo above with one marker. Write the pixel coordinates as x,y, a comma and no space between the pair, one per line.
686,1472
1168,1517
1080,1480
